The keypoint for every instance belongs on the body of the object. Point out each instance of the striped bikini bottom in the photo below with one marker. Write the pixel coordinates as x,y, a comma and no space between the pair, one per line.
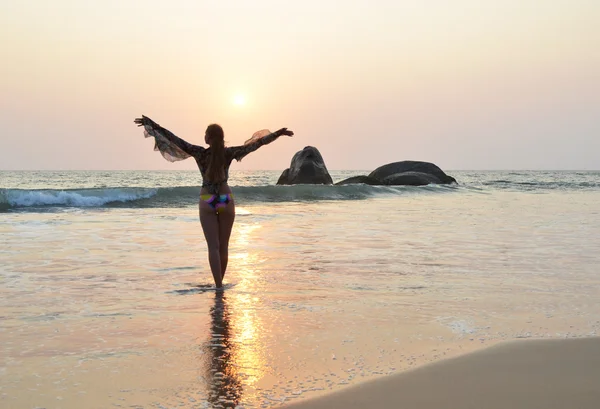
217,202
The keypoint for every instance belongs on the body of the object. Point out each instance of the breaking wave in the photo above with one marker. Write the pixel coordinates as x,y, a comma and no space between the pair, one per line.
11,199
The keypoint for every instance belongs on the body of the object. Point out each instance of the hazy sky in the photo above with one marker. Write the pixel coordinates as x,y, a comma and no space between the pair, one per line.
466,84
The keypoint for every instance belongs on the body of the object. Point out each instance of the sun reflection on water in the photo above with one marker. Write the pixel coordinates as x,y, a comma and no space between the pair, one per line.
236,359
234,351
225,383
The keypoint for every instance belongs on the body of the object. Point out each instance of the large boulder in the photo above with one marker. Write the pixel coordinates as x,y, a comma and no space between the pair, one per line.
360,179
307,167
410,179
416,171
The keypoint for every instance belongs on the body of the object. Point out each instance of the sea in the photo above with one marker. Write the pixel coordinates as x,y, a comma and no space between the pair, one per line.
107,300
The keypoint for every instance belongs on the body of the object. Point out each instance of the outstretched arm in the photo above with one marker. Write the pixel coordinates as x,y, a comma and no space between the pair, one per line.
172,147
259,139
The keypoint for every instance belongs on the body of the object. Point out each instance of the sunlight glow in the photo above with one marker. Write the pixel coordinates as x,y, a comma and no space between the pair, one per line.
239,100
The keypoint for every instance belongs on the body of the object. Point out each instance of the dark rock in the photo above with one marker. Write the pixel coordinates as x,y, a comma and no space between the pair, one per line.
307,167
360,179
414,167
410,179
283,177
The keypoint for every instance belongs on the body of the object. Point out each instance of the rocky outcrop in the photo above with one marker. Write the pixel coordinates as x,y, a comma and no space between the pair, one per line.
410,179
411,167
307,167
408,172
367,180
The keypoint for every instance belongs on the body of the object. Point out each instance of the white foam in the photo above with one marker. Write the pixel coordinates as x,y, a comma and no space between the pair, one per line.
461,327
81,198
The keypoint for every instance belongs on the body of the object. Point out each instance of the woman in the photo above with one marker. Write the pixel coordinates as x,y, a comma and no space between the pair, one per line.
217,208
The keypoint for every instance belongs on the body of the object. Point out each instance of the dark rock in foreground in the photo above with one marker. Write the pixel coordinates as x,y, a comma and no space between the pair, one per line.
367,180
405,173
307,167
411,179
395,168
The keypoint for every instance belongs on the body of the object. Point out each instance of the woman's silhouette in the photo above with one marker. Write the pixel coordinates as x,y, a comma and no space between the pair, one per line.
217,209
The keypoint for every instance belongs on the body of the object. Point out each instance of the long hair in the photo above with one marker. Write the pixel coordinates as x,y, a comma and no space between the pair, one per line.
215,171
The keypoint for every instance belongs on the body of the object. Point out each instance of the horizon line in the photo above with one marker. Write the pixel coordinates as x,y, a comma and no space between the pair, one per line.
281,170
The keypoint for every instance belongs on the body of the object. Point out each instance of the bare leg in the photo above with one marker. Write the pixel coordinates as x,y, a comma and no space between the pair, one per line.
210,225
226,218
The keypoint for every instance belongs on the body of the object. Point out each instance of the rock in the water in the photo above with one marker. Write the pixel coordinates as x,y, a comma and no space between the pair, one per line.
414,167
360,179
307,167
411,179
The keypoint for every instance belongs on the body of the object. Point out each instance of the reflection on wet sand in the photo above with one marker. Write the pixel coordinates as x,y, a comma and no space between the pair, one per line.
225,385
234,356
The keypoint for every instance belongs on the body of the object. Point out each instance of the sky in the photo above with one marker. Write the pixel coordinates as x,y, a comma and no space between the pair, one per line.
465,84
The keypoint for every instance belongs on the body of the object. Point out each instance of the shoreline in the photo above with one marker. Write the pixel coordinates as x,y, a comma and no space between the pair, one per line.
528,374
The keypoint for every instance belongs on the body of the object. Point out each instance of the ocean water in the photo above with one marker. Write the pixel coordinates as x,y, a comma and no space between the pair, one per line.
106,297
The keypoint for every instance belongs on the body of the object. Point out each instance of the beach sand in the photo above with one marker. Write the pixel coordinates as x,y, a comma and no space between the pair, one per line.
527,374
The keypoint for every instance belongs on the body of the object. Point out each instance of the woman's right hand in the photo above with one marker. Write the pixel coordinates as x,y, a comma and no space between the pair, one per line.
144,120
285,131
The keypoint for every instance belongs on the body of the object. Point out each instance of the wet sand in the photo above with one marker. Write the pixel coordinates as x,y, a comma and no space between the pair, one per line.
527,374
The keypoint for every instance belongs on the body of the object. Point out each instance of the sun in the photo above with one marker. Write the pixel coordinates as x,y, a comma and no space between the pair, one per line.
239,100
